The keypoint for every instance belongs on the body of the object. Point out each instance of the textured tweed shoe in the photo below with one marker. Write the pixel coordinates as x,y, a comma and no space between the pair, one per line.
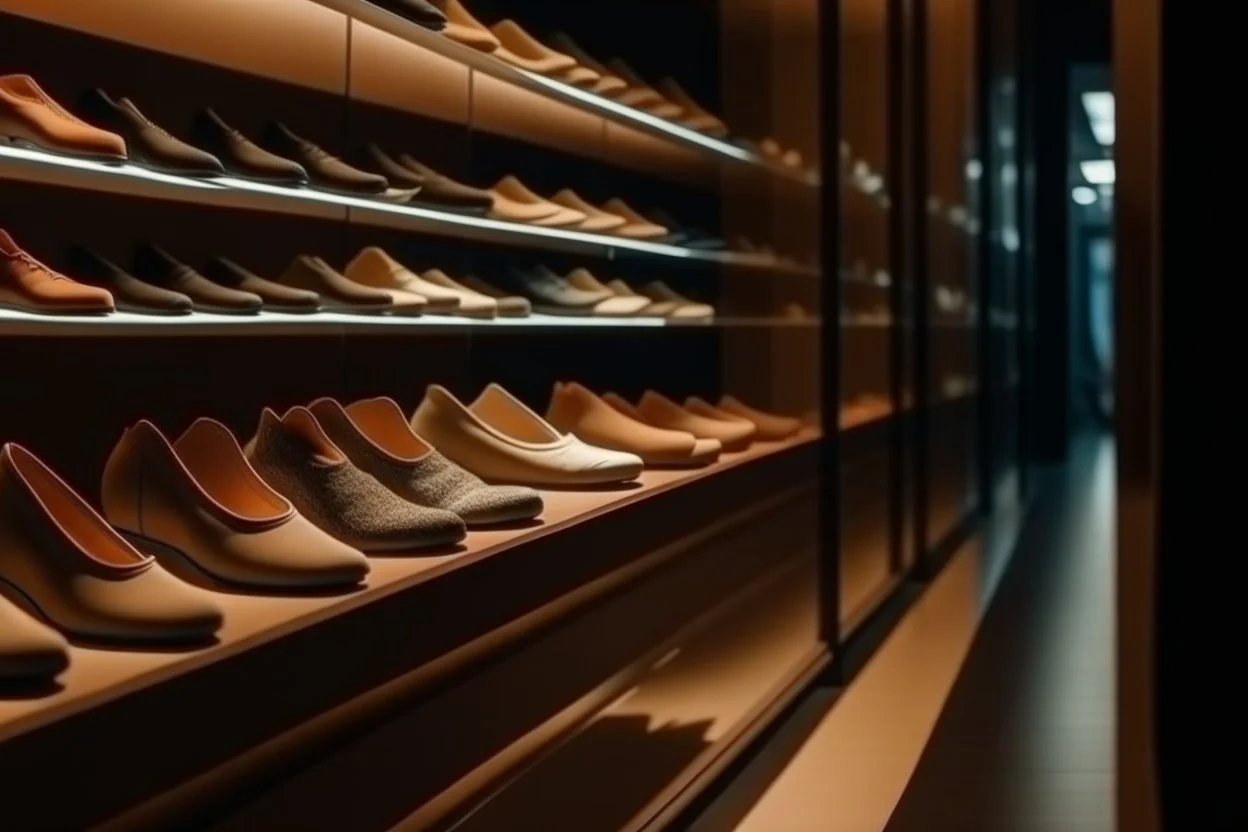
294,456
375,435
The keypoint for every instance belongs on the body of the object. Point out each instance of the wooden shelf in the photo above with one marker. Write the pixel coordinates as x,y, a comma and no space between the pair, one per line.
487,64
227,192
284,660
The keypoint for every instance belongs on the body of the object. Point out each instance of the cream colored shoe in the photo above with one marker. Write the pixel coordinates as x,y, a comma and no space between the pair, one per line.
596,219
685,310
635,226
463,28
521,49
616,306
499,439
640,94
574,409
509,306
513,201
652,309
472,304
373,267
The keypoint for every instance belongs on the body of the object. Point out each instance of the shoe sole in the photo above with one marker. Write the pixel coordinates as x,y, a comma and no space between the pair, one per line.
156,548
24,144
93,311
33,670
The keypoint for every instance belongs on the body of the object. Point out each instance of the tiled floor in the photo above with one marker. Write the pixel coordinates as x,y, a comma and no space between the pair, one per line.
974,721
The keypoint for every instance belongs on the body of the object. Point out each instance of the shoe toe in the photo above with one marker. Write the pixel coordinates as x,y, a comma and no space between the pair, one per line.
498,504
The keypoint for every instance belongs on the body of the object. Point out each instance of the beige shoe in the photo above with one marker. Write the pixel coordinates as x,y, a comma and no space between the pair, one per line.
684,309
373,267
607,83
770,426
596,219
662,412
703,448
509,306
652,309
338,294
462,27
574,409
635,226
79,574
499,439
471,304
640,94
694,116
615,306
200,500
513,201
701,407
28,649
521,49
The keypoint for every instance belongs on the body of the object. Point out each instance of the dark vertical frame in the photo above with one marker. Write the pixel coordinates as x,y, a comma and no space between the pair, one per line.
917,211
900,267
985,433
830,331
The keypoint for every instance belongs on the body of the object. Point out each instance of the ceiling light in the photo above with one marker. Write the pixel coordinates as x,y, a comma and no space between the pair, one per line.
1083,195
1100,109
1098,171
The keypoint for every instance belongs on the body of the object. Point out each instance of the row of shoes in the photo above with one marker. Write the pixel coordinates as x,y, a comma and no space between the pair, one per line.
30,118
373,283
312,493
562,60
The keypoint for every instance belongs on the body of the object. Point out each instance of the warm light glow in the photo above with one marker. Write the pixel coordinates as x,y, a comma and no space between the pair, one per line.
124,170
1083,195
1098,171
1100,109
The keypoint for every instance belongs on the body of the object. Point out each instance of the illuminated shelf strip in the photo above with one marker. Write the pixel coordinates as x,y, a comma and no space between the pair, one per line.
479,61
133,180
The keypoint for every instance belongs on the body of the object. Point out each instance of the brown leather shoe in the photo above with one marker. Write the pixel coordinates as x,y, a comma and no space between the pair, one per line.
30,118
79,574
28,649
30,286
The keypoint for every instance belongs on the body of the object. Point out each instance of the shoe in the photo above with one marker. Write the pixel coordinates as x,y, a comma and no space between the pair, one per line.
29,286
337,293
28,649
471,304
701,407
129,293
30,118
608,84
502,441
420,12
432,188
685,310
612,305
574,409
652,309
596,219
146,143
154,265
554,295
242,157
275,296
636,227
770,426
509,306
693,115
514,202
373,267
377,439
295,456
324,170
685,236
73,570
200,500
465,29
518,48
640,94
662,412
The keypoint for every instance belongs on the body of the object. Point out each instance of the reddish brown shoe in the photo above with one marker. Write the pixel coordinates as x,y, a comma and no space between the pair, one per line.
30,118
29,286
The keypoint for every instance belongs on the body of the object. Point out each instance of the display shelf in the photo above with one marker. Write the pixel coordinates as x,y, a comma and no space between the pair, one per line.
291,658
228,192
566,94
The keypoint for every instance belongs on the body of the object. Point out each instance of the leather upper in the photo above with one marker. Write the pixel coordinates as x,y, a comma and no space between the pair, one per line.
770,425
373,267
472,304
80,573
545,287
129,293
240,155
502,441
145,141
29,115
337,292
225,272
661,411
154,265
596,219
463,28
323,170
611,306
511,306
28,648
441,191
519,48
26,283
